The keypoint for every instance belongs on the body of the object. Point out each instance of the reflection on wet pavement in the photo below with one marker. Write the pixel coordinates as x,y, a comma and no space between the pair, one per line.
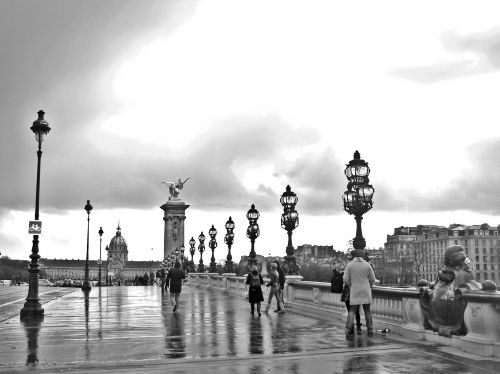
129,327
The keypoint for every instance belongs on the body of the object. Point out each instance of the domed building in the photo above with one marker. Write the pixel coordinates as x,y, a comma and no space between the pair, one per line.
117,256
116,269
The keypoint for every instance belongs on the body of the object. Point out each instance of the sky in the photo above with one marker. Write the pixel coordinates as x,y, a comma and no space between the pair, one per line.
245,98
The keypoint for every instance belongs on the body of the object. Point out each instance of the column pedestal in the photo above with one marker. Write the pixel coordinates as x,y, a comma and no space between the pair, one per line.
174,215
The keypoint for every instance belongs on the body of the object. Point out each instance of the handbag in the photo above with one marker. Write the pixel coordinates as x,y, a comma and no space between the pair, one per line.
345,293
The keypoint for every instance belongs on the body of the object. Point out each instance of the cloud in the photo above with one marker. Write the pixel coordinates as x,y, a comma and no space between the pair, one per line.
477,53
52,54
131,173
475,190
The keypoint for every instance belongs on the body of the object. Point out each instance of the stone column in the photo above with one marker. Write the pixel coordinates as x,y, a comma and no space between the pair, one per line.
174,216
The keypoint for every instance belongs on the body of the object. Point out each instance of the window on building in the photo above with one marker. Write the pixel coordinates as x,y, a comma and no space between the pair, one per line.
485,258
484,250
475,232
484,241
476,241
485,267
456,242
477,266
476,250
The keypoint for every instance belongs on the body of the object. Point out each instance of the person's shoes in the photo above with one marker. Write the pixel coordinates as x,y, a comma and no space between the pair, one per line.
359,330
259,314
281,311
265,312
252,313
370,332
277,311
175,307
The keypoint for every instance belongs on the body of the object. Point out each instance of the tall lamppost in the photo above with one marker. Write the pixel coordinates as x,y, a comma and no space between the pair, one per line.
201,249
32,307
100,232
253,231
229,239
289,221
359,194
212,244
192,251
86,283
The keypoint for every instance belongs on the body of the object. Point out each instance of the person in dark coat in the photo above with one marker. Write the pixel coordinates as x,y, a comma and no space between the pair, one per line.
255,296
174,281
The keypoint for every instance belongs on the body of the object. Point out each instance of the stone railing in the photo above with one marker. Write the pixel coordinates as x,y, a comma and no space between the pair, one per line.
397,309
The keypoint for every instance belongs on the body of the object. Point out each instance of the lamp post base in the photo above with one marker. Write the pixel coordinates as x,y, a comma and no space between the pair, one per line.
291,267
86,286
32,310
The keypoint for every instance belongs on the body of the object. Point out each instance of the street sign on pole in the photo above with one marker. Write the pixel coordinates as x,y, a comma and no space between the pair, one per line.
35,227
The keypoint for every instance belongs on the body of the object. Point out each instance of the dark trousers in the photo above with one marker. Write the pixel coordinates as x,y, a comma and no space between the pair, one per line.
353,309
358,317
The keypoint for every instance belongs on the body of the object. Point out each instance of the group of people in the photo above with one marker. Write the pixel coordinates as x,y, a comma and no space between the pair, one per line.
355,284
276,283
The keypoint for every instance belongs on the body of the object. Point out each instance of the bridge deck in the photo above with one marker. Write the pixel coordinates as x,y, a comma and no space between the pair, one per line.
133,329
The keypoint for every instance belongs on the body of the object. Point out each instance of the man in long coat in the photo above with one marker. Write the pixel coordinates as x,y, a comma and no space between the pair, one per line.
359,276
174,280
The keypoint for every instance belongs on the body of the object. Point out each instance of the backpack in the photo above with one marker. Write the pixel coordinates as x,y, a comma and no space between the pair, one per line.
255,281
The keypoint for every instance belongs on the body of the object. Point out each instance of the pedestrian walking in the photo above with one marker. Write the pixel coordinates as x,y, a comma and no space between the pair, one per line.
274,290
359,276
282,281
255,296
174,280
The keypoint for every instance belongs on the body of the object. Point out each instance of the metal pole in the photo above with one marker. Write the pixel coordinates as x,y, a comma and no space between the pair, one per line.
32,306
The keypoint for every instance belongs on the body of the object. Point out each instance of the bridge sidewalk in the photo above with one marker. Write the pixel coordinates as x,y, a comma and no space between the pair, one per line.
134,330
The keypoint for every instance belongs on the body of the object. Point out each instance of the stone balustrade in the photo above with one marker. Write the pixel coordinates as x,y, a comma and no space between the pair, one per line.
397,309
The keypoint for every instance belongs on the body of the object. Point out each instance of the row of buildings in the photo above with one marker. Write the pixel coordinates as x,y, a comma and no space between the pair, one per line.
413,253
409,254
116,268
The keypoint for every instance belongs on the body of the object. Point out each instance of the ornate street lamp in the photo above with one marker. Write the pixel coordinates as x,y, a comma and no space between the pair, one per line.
212,244
289,221
32,307
201,249
192,251
359,194
100,232
229,239
86,283
253,231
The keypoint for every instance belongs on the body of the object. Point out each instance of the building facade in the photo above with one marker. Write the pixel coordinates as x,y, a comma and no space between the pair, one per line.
414,253
116,268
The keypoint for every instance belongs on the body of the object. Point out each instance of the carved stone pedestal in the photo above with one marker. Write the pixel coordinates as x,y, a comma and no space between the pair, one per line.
174,215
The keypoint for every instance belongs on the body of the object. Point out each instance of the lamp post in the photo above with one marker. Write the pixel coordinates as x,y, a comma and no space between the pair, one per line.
86,284
192,251
229,239
212,244
100,232
359,194
253,231
289,221
32,307
201,249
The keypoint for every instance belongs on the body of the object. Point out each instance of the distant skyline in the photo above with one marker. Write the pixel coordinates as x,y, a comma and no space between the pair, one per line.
245,98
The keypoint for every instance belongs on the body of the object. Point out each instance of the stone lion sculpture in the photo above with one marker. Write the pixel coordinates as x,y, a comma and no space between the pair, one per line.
442,302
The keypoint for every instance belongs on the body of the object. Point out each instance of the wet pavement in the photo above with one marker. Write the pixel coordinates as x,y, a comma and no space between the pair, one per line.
133,329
